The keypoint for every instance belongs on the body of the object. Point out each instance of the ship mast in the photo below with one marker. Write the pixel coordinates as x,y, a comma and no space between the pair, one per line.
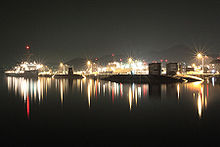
27,54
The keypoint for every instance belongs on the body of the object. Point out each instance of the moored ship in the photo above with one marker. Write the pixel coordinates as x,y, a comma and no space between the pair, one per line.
26,68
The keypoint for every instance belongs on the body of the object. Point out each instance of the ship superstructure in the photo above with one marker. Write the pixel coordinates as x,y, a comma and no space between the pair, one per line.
26,68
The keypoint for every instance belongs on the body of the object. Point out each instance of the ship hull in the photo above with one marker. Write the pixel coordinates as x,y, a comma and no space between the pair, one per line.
14,74
73,76
26,74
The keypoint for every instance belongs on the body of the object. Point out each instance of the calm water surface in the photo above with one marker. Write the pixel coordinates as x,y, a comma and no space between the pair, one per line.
93,112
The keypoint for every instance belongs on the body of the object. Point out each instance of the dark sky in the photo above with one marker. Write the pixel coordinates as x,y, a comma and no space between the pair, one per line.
62,30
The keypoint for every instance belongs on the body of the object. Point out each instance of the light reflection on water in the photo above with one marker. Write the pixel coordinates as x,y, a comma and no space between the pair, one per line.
36,90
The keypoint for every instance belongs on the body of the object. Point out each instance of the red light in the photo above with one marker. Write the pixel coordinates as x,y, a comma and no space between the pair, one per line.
161,60
166,60
113,55
28,108
113,95
96,59
120,59
27,47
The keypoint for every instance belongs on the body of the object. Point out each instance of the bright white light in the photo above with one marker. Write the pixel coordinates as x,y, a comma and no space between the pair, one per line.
88,63
199,55
39,66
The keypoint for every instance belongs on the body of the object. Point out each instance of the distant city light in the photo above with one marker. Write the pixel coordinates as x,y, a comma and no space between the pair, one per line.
193,65
61,64
199,55
88,63
39,66
130,60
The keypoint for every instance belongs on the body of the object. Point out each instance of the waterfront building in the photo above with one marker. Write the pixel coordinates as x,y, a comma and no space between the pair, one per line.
155,69
171,68
216,65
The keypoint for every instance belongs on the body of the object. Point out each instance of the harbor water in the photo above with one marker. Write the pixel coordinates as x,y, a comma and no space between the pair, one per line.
88,112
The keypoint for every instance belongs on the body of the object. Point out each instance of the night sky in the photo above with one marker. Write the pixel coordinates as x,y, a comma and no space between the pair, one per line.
63,30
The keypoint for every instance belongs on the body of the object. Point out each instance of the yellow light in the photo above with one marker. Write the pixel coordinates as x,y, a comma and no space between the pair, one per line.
130,98
61,64
89,94
199,55
130,60
199,105
88,63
